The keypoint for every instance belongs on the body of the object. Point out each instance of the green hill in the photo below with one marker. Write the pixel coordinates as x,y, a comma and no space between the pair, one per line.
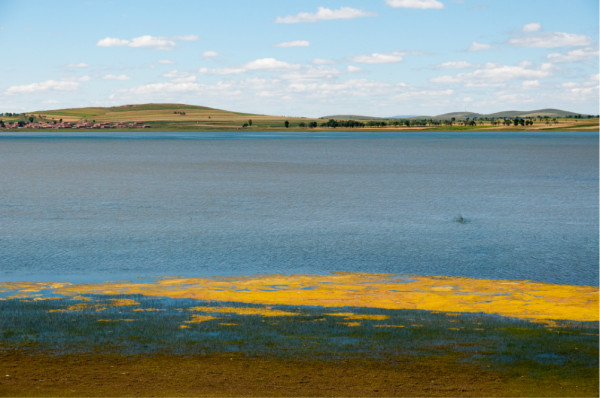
351,117
457,115
540,112
170,116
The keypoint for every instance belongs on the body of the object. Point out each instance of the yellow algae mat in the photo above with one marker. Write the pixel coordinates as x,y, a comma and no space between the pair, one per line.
520,299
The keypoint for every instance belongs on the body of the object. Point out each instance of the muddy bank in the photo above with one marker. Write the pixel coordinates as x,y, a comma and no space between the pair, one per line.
233,375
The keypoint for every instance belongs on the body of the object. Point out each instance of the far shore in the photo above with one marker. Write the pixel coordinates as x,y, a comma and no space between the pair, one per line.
558,127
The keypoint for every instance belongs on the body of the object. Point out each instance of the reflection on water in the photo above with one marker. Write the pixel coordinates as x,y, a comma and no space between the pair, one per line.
120,205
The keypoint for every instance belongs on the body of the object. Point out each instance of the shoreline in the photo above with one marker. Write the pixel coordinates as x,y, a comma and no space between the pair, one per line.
595,128
197,337
237,375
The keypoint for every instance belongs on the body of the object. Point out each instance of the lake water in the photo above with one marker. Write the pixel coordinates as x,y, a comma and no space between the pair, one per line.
94,207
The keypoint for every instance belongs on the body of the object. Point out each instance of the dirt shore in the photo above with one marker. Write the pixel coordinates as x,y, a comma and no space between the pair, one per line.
24,374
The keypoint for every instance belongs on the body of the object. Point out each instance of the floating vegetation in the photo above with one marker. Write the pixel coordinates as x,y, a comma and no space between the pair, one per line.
542,302
184,326
262,311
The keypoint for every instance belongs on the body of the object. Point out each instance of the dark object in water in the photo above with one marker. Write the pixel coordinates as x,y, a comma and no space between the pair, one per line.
460,219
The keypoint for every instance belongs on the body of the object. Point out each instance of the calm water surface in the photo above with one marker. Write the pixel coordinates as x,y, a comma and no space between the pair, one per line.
80,207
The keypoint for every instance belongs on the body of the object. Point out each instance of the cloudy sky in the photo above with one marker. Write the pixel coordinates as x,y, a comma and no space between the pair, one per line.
302,58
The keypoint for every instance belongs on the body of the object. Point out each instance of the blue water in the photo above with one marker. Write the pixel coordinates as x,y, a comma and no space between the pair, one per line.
94,207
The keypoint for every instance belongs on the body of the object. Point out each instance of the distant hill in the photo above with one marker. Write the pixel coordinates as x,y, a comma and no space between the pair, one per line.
540,112
135,112
403,117
457,115
352,117
194,117
463,115
508,114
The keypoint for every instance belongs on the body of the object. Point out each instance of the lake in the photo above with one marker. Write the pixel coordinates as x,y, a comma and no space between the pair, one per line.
90,207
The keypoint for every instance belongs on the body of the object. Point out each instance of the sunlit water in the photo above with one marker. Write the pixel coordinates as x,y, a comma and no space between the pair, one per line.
94,207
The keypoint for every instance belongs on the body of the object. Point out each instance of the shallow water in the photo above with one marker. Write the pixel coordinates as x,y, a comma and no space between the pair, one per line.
94,207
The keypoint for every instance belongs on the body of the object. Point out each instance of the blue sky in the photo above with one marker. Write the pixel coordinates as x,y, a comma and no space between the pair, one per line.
302,58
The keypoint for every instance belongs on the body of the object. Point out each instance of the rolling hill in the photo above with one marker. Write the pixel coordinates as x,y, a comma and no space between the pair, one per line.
463,115
171,116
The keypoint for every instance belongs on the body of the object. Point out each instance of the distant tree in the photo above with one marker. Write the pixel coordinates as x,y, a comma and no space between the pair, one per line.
60,120
244,125
2,125
407,123
332,123
312,124
302,124
287,124
31,119
249,122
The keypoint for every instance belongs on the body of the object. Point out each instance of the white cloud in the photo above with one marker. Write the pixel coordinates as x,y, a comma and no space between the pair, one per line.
184,79
112,42
378,58
166,62
569,84
551,39
321,61
186,38
532,27
48,85
491,74
180,77
445,79
256,65
160,43
580,54
221,71
157,42
310,73
165,88
478,46
295,43
410,95
515,98
530,83
268,63
352,68
79,65
116,77
210,54
422,4
325,14
455,65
